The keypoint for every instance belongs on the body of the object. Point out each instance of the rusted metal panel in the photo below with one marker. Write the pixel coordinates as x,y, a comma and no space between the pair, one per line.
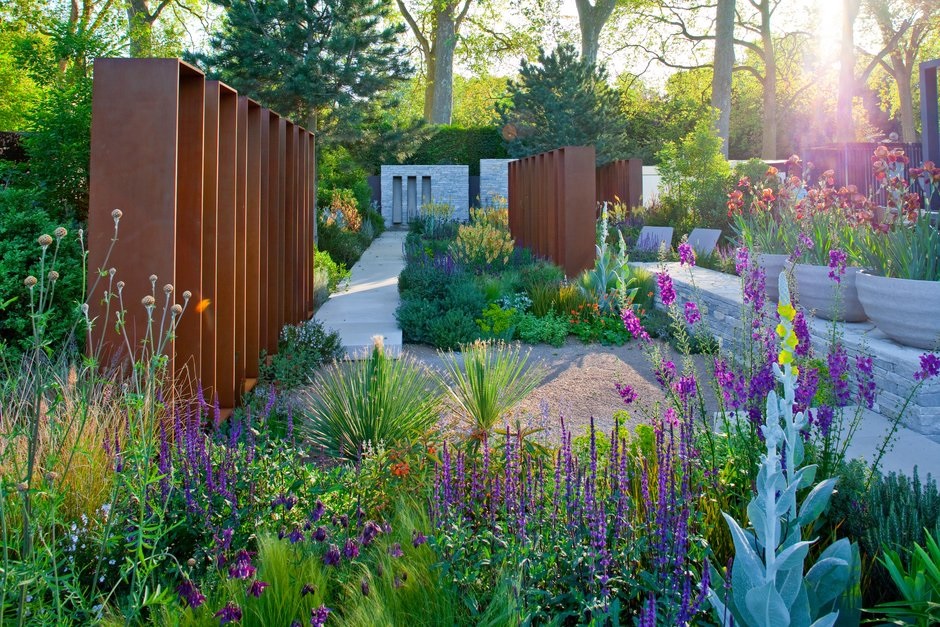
552,201
622,181
218,199
252,279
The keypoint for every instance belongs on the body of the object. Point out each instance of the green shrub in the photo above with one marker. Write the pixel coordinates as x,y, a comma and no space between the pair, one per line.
338,170
453,328
497,323
414,317
22,220
543,296
461,146
425,281
375,401
343,246
337,272
301,349
464,296
550,329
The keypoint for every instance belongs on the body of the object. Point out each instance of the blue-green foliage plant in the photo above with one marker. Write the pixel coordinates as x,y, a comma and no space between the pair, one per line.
768,585
610,281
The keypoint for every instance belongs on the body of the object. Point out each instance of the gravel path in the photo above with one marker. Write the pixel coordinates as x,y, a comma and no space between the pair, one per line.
580,384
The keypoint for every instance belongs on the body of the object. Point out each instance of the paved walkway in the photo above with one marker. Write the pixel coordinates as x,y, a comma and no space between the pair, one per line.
367,307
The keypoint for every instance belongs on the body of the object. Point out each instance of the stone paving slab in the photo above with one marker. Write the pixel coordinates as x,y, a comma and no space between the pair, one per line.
366,307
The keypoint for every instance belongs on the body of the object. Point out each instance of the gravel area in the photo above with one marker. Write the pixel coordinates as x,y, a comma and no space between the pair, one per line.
580,384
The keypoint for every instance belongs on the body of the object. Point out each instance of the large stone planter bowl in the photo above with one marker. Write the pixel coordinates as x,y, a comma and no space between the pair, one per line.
907,311
773,265
817,293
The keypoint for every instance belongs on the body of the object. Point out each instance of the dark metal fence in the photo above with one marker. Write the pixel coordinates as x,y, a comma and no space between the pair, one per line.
218,199
552,203
851,163
621,180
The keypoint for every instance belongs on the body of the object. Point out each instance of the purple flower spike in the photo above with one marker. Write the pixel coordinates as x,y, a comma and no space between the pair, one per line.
667,292
929,367
692,314
686,254
626,392
633,325
837,261
229,614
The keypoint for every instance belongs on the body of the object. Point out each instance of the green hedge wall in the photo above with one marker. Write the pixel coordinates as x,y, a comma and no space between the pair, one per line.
460,146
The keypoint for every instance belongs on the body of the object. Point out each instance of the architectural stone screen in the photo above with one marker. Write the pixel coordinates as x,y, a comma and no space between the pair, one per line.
406,187
494,180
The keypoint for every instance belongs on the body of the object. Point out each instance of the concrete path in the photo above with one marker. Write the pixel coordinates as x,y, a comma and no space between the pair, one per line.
367,306
909,449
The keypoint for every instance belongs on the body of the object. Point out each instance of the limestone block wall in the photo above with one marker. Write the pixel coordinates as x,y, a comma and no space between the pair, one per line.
406,187
494,180
719,297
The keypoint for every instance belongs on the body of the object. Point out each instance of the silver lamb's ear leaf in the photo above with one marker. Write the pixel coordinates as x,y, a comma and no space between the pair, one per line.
791,558
816,501
745,556
831,574
766,604
826,621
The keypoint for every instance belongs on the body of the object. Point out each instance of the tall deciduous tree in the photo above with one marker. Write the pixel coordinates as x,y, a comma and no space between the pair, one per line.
592,16
845,127
904,26
316,61
723,68
561,100
436,26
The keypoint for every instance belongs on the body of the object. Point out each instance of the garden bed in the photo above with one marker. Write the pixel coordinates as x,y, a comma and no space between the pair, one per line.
720,298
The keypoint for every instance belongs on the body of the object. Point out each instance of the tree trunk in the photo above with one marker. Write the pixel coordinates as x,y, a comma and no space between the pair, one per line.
769,138
428,88
845,124
591,19
902,76
442,87
724,64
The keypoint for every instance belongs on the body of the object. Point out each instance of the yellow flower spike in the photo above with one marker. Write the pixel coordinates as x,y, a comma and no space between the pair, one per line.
786,311
785,357
796,371
781,330
791,340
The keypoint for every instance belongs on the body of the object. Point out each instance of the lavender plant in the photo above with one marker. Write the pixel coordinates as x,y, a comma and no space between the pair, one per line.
768,586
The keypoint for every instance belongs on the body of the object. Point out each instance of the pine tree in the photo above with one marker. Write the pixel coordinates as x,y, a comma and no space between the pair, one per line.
314,61
562,100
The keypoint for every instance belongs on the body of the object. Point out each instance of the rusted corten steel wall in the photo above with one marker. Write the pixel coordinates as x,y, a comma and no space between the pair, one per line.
621,179
552,206
217,194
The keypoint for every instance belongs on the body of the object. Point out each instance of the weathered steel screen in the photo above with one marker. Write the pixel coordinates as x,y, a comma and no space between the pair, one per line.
218,198
622,181
552,204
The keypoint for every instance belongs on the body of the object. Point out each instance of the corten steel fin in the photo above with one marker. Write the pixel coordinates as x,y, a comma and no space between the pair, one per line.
208,184
621,179
552,200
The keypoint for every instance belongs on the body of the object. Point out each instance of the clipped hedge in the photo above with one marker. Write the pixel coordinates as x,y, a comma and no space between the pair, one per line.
456,145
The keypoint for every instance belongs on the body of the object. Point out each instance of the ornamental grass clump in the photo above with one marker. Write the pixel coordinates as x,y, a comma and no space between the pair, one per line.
485,242
371,401
768,585
486,381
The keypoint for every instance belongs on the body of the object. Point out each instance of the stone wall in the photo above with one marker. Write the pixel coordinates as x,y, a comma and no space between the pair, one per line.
448,184
494,180
719,298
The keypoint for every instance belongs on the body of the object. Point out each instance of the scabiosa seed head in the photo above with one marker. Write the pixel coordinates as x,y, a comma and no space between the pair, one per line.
45,240
53,276
153,279
177,309
30,281
148,301
116,214
187,295
168,289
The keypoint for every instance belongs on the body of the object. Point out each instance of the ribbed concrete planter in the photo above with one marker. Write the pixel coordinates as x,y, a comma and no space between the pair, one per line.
772,265
817,293
904,310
